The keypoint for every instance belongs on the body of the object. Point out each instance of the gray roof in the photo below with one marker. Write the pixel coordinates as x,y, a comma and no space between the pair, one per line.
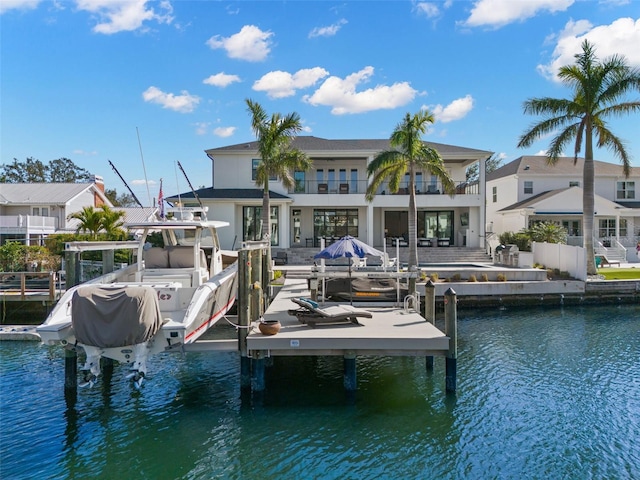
228,194
537,164
310,144
41,193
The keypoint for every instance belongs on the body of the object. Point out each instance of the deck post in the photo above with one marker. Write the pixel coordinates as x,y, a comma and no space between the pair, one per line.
108,261
258,371
430,312
350,380
256,277
451,330
70,368
72,268
244,279
267,276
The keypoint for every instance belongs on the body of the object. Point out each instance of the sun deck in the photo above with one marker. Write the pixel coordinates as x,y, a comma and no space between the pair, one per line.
390,331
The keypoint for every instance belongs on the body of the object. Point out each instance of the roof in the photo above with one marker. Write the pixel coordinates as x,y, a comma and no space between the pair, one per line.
43,193
534,199
310,144
228,194
537,165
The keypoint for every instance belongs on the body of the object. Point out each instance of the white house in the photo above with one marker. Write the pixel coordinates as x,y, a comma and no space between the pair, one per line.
328,200
31,211
528,190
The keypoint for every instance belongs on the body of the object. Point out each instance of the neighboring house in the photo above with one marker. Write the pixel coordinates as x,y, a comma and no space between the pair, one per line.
328,200
31,211
529,190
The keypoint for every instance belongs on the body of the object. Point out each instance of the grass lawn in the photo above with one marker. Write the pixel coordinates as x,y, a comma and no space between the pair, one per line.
615,273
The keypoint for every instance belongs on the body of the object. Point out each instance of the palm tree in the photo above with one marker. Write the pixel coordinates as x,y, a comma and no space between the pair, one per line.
112,222
278,158
410,154
599,88
90,221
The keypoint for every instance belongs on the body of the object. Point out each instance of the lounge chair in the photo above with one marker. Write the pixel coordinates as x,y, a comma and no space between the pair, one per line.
311,314
603,261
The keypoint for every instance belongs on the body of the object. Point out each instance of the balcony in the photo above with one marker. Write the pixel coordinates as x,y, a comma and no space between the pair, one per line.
314,187
27,224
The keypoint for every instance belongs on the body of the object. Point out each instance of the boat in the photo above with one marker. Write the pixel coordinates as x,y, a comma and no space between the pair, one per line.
169,297
365,289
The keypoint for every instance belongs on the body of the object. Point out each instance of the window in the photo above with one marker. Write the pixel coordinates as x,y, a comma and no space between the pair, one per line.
625,190
40,211
335,223
298,177
254,170
572,227
608,227
331,180
495,194
354,181
574,184
528,187
252,224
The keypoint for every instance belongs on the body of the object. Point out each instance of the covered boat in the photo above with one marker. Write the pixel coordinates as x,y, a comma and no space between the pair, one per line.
169,297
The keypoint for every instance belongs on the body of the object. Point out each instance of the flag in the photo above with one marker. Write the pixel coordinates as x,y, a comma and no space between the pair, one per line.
161,201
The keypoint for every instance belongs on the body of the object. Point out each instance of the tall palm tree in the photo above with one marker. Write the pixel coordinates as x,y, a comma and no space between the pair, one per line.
90,220
410,154
278,158
598,92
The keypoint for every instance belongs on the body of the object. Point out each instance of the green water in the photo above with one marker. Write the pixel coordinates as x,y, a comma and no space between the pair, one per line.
542,393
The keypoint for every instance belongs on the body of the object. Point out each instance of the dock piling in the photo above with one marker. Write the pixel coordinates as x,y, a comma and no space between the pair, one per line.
70,369
350,380
243,298
430,313
450,329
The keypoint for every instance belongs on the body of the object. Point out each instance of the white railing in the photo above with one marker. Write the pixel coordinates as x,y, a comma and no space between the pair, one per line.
27,223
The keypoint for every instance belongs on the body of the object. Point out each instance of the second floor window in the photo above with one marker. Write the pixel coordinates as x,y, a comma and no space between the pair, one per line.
40,211
298,177
528,187
495,194
625,190
574,184
254,170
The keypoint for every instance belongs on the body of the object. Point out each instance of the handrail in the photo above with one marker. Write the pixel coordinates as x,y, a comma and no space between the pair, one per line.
24,288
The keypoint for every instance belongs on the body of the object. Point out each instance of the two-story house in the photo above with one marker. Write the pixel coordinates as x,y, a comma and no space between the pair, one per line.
31,211
328,201
528,190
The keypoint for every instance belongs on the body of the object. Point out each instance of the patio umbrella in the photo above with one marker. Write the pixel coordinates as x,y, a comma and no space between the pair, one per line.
348,247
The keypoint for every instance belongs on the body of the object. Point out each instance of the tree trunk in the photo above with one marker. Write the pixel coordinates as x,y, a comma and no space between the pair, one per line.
266,227
588,202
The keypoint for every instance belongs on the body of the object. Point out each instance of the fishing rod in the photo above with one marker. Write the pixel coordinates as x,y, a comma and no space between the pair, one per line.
191,186
125,184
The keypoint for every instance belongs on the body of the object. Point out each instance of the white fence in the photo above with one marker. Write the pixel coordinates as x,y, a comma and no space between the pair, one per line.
565,258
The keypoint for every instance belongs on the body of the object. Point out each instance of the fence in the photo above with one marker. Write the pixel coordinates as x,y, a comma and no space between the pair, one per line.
565,258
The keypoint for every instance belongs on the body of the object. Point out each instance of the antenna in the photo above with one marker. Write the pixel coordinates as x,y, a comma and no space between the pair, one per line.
125,184
143,167
190,186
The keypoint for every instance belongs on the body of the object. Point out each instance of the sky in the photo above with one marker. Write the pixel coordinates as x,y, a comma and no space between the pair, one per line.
146,84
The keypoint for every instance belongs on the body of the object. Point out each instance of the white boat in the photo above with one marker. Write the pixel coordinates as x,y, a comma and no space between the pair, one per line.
169,297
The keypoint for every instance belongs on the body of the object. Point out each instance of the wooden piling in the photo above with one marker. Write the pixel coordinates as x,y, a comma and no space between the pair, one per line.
451,330
258,384
257,287
430,312
243,300
350,379
70,368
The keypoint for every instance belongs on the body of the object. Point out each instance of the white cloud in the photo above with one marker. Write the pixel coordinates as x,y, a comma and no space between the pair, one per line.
454,111
498,13
250,43
201,127
183,103
329,31
221,80
341,95
281,84
224,131
84,152
143,182
621,37
427,8
6,5
125,15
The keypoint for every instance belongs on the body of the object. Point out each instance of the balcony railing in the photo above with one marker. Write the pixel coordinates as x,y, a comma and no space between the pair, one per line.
360,187
27,223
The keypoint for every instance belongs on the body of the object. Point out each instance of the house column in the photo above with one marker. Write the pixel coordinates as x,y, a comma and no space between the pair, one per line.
482,189
283,228
370,224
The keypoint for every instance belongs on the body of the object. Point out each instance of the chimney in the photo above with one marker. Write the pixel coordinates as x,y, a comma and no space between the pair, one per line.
99,183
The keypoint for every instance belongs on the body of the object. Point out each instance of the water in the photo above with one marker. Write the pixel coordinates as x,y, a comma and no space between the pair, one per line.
543,393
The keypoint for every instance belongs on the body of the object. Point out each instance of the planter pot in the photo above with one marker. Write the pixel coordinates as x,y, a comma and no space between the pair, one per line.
269,327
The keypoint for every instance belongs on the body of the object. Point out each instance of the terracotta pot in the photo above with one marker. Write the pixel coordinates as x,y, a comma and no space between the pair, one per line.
269,327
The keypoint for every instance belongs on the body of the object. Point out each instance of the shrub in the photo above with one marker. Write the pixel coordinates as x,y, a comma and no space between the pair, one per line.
502,277
472,278
456,277
484,277
434,277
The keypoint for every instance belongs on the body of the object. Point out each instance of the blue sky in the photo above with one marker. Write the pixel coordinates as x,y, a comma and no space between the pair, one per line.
82,79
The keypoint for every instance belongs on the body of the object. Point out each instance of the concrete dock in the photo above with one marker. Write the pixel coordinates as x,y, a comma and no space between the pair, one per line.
390,331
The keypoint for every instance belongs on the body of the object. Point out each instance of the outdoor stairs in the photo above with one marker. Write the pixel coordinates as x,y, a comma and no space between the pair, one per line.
304,256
